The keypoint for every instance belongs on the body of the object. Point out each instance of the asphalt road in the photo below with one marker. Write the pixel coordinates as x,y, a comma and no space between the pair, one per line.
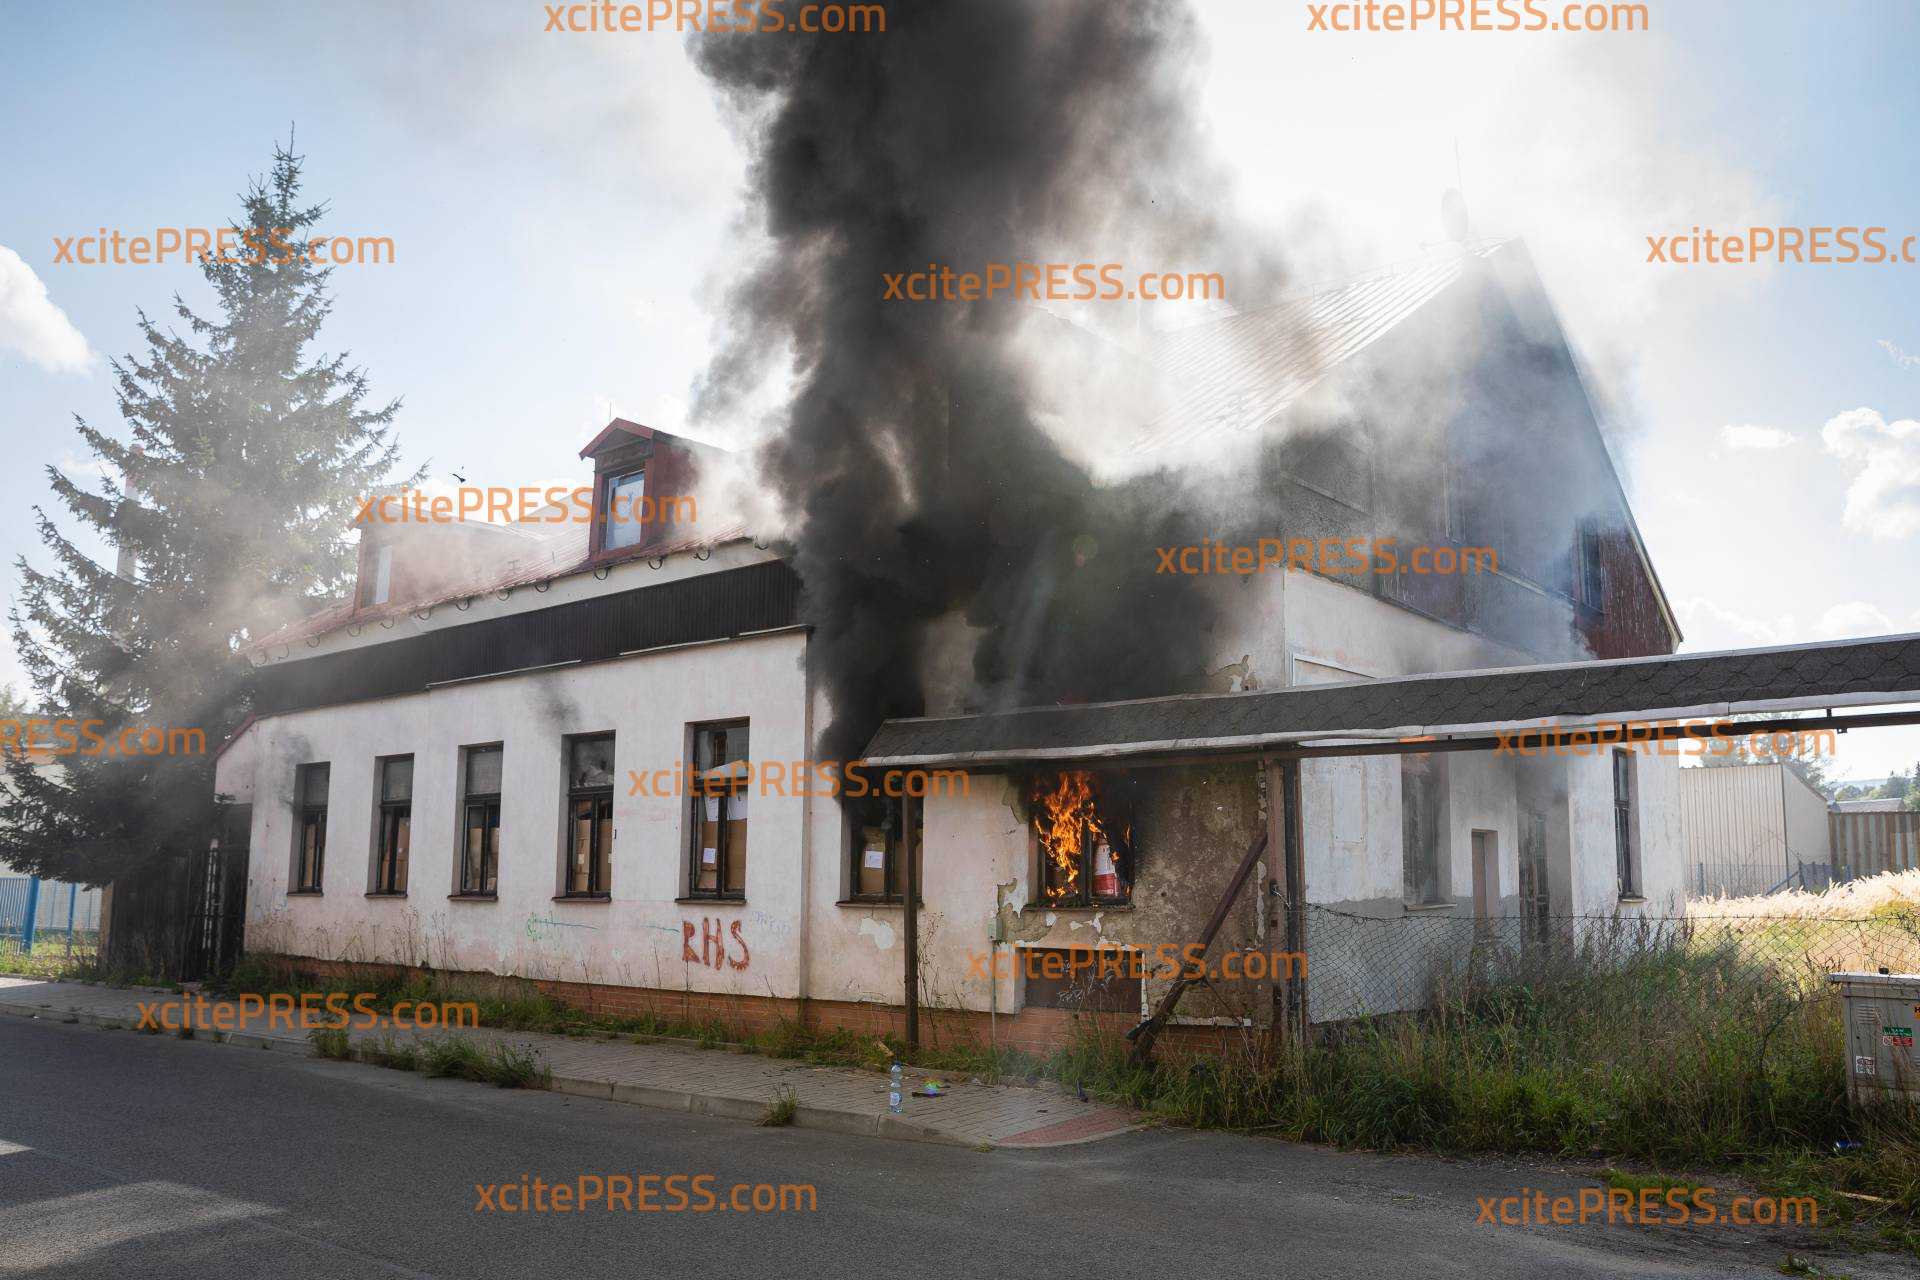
148,1156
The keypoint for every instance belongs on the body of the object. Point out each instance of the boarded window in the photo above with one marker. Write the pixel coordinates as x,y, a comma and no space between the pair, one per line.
881,843
1081,979
717,854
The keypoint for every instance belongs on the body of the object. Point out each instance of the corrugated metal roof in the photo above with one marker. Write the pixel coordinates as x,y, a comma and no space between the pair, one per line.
1231,376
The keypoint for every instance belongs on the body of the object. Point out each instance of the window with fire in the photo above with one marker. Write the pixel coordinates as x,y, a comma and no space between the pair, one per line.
1082,825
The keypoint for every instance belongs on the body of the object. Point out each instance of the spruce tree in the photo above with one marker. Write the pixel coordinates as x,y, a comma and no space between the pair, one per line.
230,502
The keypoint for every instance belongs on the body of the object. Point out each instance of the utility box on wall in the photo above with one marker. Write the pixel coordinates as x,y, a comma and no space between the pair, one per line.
1882,1012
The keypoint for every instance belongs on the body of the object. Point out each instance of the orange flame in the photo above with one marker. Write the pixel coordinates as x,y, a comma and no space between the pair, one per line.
1066,821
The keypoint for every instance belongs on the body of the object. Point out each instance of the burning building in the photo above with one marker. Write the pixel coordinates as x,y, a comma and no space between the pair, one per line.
628,759
602,742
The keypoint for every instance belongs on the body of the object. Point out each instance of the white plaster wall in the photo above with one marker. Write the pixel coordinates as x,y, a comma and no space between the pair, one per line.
1265,616
1662,834
1481,796
636,939
233,772
1352,834
975,842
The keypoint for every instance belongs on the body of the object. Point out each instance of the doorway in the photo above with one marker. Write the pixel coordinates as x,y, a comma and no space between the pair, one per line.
1486,876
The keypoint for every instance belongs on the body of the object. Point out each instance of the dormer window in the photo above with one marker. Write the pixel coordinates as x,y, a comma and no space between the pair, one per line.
625,509
377,581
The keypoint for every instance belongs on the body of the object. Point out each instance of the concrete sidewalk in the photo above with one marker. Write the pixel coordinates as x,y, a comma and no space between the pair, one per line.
675,1076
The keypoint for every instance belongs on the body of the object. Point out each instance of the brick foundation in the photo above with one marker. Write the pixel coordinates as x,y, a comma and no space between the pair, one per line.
1035,1031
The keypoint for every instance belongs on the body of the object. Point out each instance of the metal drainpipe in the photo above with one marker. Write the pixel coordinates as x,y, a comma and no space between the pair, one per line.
803,987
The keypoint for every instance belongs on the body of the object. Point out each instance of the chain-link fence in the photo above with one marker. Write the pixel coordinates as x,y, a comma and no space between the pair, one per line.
1359,965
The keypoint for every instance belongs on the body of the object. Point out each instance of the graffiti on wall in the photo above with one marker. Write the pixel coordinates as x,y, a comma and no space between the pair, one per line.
713,944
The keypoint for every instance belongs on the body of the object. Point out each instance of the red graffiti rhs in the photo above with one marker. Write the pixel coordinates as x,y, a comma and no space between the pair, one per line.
713,945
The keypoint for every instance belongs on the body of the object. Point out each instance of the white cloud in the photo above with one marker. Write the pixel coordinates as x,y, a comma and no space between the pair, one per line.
1747,436
1854,618
1899,357
1709,626
1884,499
75,465
32,326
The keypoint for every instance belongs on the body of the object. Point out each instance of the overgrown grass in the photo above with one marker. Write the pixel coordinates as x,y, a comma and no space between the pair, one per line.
50,959
781,1111
1718,1050
1698,1055
445,1057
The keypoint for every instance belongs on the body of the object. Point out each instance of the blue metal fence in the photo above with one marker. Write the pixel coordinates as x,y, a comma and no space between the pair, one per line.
47,911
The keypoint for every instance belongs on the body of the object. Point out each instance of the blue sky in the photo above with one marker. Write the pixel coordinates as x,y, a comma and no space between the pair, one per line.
565,208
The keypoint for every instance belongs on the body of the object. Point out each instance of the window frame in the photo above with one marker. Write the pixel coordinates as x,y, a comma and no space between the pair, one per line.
377,587
1085,898
1431,876
893,867
486,800
1625,855
390,877
1589,568
723,889
310,816
599,854
610,486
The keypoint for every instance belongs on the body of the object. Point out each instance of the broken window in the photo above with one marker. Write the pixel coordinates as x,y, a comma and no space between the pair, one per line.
1592,569
625,501
1082,828
396,825
310,850
881,844
589,816
480,852
719,777
1623,851
1420,828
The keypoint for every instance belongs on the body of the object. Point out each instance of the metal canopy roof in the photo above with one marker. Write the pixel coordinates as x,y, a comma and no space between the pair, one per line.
1844,673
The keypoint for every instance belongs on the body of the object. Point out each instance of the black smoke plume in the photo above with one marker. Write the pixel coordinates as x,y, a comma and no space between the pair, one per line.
919,479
